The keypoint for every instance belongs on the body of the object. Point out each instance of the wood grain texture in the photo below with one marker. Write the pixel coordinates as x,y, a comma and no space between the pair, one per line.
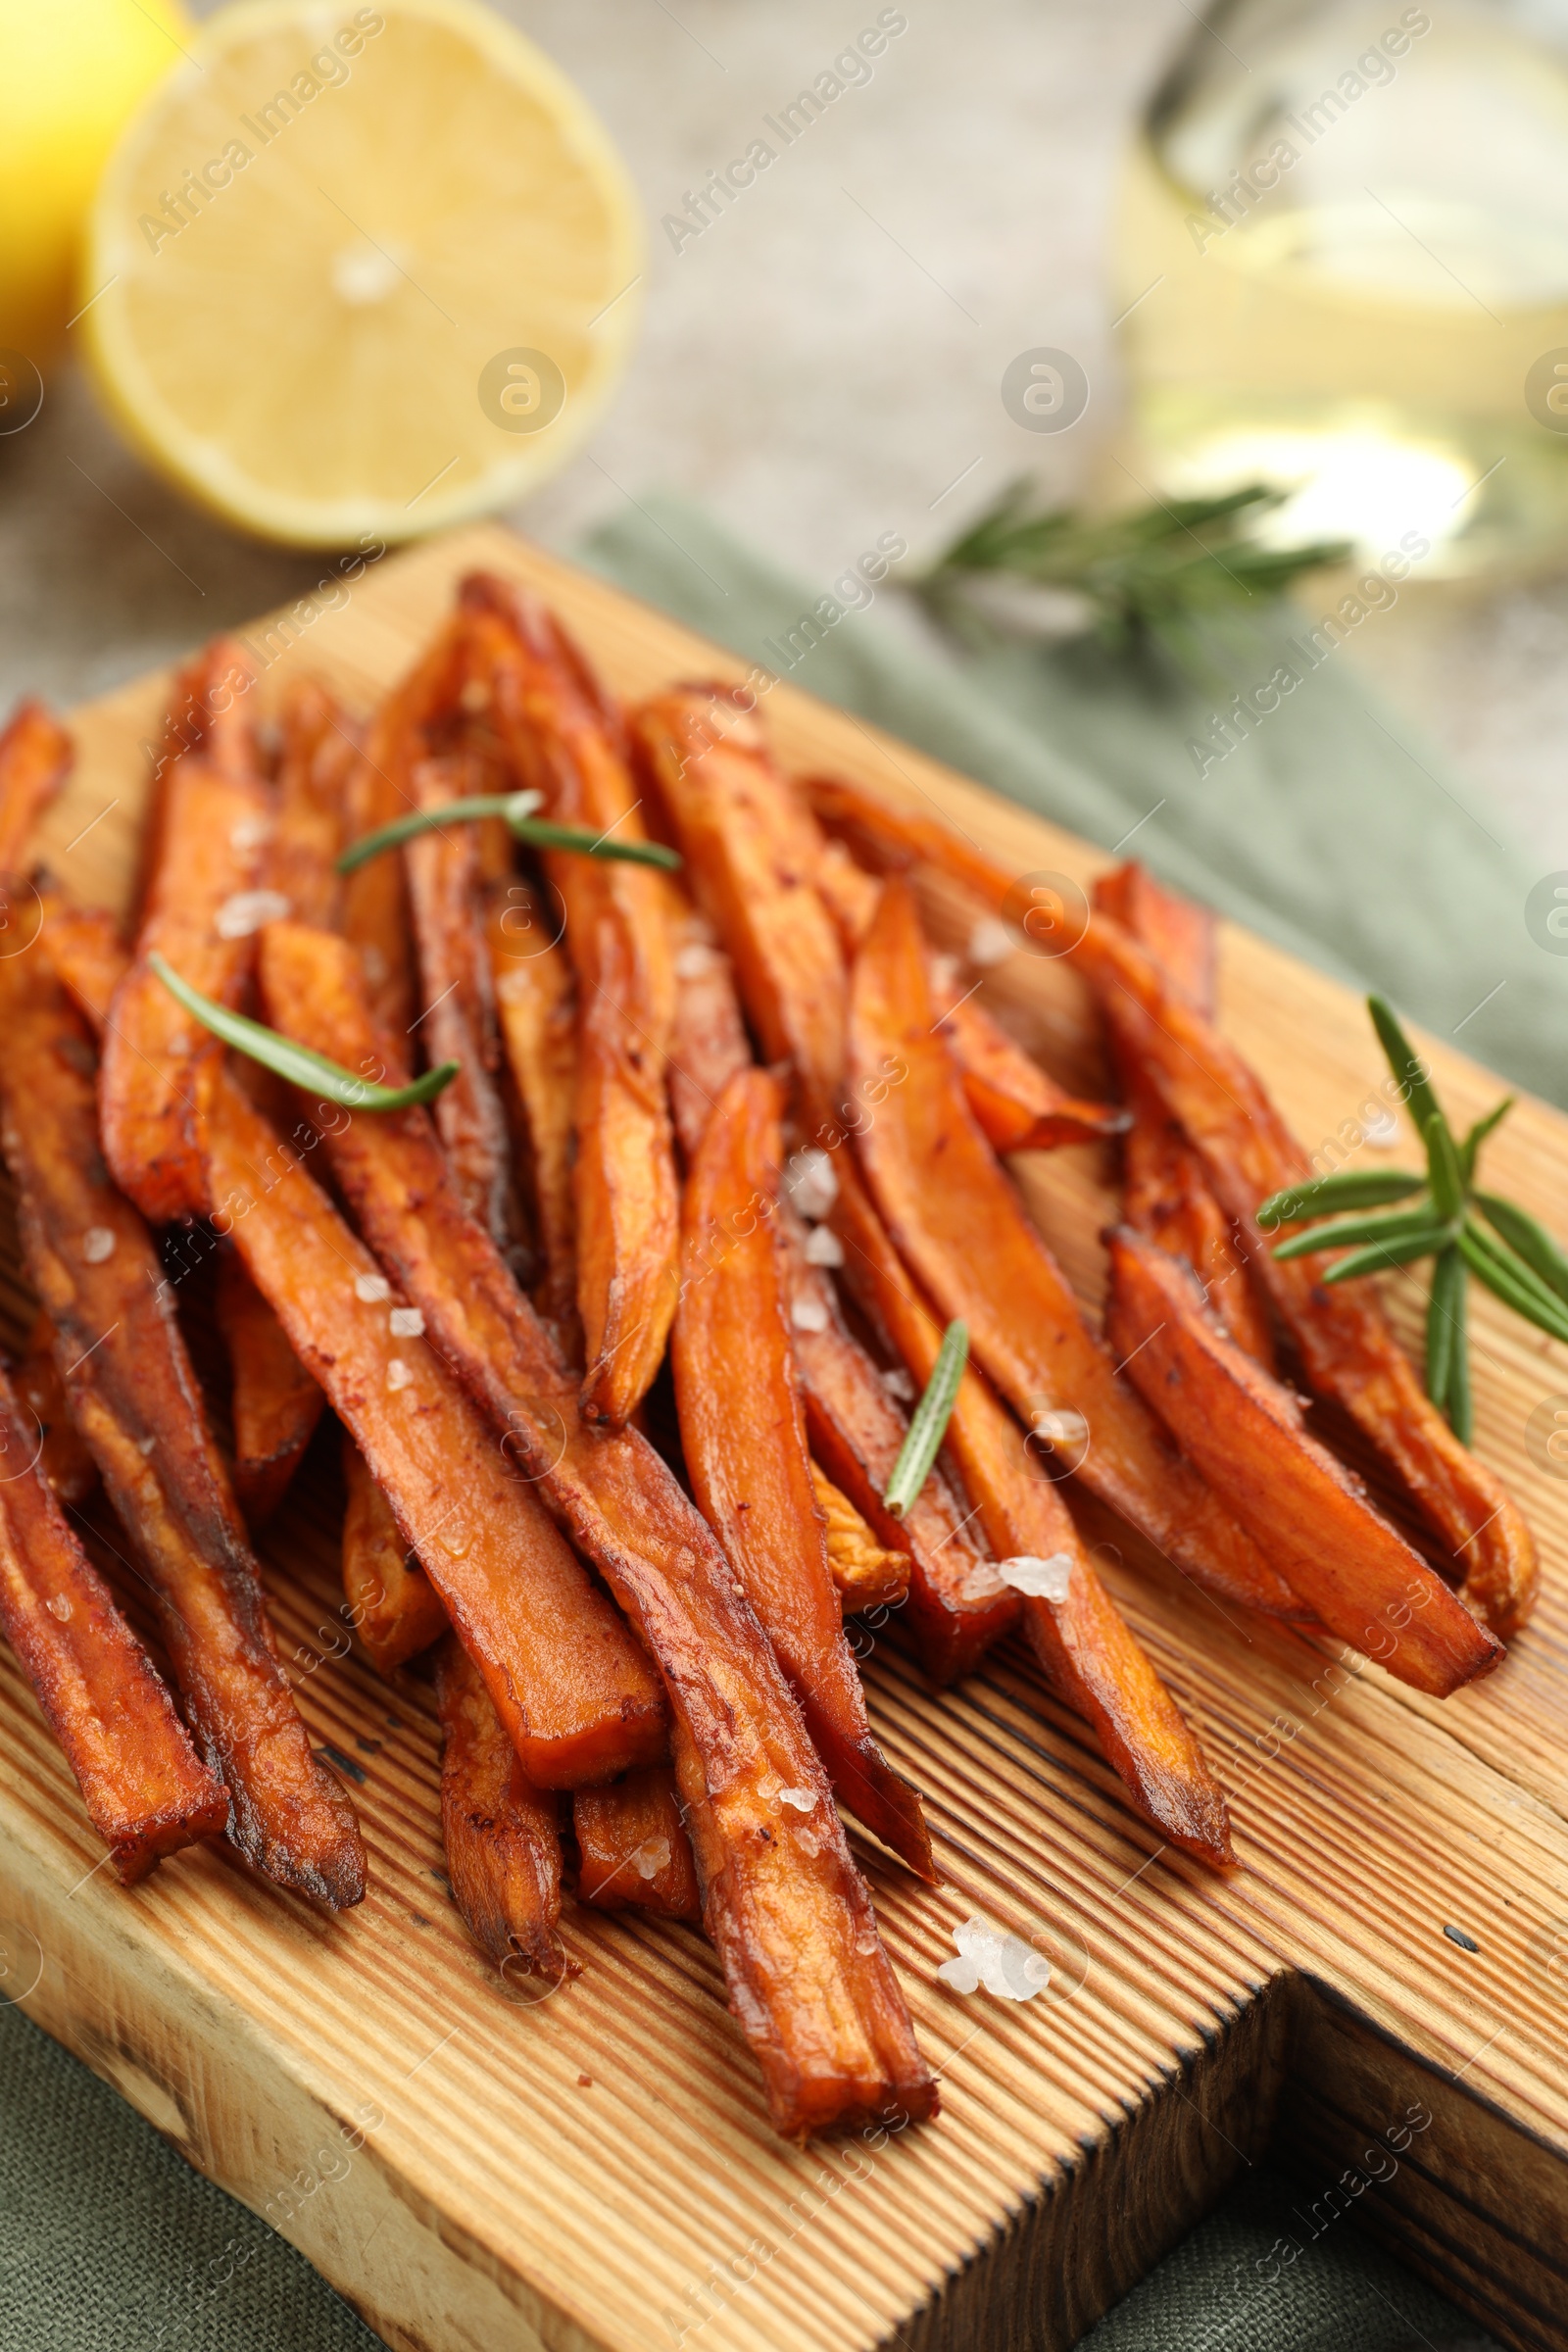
474,2165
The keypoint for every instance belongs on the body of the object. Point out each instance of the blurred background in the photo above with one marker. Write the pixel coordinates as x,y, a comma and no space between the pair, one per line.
821,364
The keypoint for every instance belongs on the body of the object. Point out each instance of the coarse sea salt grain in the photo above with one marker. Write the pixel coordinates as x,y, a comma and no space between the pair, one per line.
247,910
250,833
1061,1427
97,1244
991,1960
823,1247
694,961
406,1323
898,1383
371,1288
652,1856
1042,1580
804,1800
398,1375
59,1608
809,1314
991,942
812,1183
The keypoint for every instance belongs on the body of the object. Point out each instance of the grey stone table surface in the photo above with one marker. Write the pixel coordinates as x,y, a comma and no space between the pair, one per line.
820,367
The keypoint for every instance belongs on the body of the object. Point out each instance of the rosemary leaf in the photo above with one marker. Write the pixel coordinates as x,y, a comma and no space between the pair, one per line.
928,1425
1444,1329
507,805
1528,1239
1511,1280
515,810
1461,1417
1470,1148
297,1063
1407,1065
1374,1190
1379,1257
1388,1228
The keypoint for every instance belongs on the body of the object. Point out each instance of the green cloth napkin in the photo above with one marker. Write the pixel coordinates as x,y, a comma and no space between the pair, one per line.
1333,829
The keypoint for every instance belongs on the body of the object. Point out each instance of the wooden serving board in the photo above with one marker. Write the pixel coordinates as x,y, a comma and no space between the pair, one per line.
1382,1989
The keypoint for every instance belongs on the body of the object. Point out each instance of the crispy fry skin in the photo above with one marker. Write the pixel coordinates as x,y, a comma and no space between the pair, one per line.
457,1015
88,953
808,1979
1346,1345
743,1434
146,1791
576,1695
709,1042
319,751
35,758
537,1006
857,1432
1247,1433
216,820
957,1223
891,840
624,1196
564,739
792,1922
380,787
134,1397
633,1849
1165,1190
276,1405
67,1467
867,1576
753,852
502,1836
392,1605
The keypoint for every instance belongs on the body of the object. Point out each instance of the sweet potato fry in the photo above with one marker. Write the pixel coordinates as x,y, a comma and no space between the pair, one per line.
1017,1107
752,852
578,1699
502,1836
319,753
1247,1435
960,1226
1091,1656
402,732
743,1438
199,914
67,1467
1165,1190
134,1399
891,840
834,2043
146,1791
709,1042
565,741
86,950
537,1006
1347,1344
867,1576
456,1018
276,1405
392,1605
857,1432
36,757
632,1847
624,1193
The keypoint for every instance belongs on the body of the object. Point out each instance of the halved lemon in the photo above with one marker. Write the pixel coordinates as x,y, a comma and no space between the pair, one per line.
361,273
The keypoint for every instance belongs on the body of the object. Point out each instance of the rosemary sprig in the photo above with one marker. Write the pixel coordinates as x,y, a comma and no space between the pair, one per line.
515,810
1517,1258
297,1063
928,1424
1149,573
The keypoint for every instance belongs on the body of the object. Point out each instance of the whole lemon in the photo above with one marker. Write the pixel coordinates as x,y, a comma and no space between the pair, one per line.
70,73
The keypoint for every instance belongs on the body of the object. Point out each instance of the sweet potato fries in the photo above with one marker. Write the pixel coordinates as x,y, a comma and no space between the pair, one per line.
643,1333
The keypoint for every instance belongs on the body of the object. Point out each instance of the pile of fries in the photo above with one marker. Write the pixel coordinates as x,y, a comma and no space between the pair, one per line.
624,1332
